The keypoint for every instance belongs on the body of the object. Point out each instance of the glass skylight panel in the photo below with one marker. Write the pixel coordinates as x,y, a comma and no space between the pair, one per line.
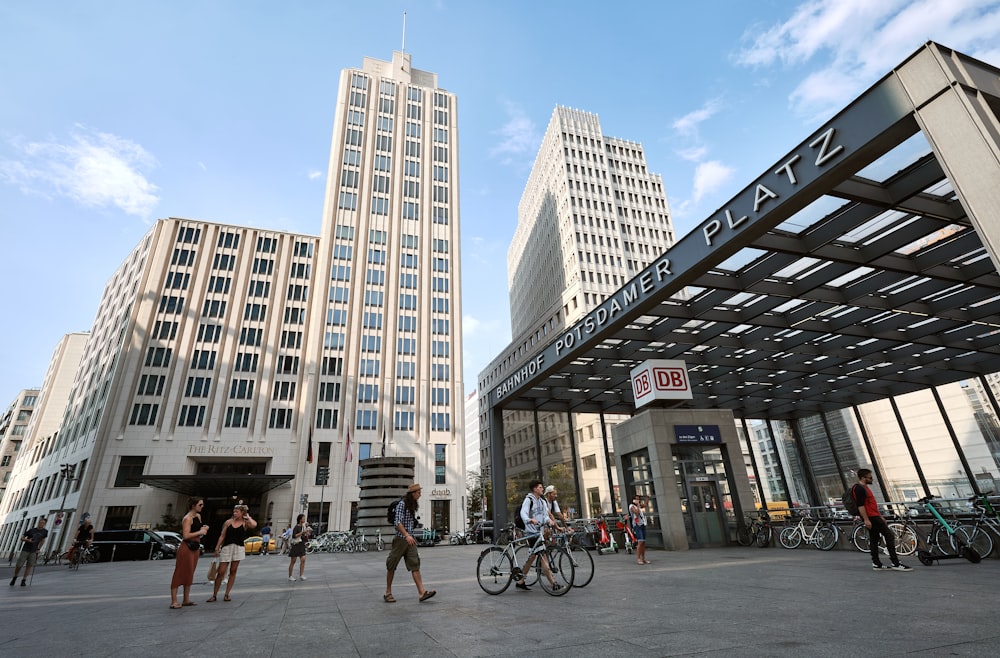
808,216
853,275
899,158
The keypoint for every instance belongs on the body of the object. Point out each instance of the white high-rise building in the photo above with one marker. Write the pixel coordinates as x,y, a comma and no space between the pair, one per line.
592,216
236,363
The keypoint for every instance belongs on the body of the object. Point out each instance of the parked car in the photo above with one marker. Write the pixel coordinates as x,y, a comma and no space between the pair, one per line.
482,532
176,538
118,545
252,545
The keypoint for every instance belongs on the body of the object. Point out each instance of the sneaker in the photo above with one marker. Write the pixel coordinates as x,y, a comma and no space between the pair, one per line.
880,567
303,578
13,580
523,586
24,583
291,579
900,567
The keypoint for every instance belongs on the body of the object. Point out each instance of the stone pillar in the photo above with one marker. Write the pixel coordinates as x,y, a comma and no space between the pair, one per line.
383,480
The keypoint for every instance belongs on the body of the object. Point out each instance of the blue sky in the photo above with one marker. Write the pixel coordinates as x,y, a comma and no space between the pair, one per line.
116,113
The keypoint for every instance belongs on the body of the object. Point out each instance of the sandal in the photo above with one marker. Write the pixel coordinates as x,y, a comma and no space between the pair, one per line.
188,603
428,593
175,606
388,598
226,598
211,600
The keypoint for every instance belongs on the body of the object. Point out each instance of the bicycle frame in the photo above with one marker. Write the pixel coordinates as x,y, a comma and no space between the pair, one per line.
964,550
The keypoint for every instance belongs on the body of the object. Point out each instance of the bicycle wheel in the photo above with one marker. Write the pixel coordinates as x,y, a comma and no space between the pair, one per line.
790,537
744,535
827,537
906,539
521,555
976,538
563,572
493,570
583,566
859,538
764,536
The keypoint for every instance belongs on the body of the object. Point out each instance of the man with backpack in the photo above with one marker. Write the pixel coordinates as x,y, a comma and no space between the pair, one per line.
877,527
537,517
404,545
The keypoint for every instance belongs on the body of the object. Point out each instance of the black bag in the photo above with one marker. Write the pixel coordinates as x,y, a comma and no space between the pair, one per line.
850,502
518,521
390,514
193,544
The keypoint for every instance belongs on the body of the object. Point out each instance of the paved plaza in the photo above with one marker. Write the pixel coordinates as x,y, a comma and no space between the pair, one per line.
721,602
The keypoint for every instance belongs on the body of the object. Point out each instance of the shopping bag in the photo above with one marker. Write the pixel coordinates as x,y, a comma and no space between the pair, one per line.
213,569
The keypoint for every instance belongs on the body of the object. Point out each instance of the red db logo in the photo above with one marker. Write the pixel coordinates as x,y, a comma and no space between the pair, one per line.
642,385
670,379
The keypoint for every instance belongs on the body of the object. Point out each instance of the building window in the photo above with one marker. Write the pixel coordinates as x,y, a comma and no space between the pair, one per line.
326,419
192,415
439,463
128,468
144,414
118,517
404,420
590,462
237,416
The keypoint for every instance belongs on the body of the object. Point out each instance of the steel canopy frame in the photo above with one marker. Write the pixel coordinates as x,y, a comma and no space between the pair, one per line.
820,286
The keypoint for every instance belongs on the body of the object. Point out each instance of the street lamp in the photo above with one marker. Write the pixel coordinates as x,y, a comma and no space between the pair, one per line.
67,471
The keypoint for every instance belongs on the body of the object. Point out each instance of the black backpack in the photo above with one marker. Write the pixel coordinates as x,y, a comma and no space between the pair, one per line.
518,521
850,502
390,513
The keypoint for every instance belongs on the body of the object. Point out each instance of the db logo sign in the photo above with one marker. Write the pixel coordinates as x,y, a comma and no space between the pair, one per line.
660,380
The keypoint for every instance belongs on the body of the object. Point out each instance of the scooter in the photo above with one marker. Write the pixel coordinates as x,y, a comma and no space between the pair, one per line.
606,540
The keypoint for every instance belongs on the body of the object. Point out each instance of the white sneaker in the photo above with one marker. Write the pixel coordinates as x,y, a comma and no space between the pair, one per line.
303,578
292,579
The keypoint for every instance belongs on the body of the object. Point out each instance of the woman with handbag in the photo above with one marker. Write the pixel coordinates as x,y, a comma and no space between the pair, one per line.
300,535
192,530
230,551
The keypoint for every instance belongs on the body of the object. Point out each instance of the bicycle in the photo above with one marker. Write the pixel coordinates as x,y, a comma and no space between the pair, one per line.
823,534
755,530
583,561
977,534
905,531
497,566
86,554
927,556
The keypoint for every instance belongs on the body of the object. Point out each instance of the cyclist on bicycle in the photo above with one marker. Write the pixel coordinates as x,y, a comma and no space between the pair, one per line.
84,535
537,517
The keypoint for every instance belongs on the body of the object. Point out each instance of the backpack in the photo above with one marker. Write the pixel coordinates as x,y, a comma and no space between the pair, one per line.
518,521
390,513
850,502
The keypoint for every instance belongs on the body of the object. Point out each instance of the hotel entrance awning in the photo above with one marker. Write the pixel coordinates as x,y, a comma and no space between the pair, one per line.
216,486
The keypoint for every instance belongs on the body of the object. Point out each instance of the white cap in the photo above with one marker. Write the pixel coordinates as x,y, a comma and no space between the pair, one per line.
549,489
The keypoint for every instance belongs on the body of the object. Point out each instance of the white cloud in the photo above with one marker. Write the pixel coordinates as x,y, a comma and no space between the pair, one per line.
694,153
470,325
519,136
315,174
688,124
860,40
709,176
93,169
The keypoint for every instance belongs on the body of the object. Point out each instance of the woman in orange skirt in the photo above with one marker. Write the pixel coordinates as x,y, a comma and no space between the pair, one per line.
192,530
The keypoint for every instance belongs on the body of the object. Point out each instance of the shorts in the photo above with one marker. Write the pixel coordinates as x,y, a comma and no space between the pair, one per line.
232,553
31,557
401,550
640,532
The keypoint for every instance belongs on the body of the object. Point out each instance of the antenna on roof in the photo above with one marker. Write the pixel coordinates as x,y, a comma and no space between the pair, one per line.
403,49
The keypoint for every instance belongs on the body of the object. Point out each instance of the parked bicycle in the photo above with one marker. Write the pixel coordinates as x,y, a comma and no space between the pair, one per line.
756,529
498,566
941,531
979,533
460,538
902,526
819,532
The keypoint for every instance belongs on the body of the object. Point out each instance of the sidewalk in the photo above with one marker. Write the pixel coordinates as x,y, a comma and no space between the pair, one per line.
724,602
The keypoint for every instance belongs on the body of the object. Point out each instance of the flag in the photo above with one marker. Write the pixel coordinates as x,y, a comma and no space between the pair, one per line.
348,456
309,450
383,442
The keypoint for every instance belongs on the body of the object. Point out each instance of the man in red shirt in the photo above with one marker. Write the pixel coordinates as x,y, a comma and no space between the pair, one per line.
877,528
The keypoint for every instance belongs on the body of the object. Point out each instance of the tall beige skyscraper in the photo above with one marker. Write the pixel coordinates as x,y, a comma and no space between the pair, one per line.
591,217
389,269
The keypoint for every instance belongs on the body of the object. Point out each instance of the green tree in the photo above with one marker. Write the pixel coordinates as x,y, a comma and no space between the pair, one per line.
477,488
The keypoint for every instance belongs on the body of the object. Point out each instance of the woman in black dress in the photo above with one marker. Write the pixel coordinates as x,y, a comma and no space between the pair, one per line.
300,535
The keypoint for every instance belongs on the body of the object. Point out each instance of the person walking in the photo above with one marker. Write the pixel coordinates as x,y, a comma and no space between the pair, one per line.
265,538
404,546
186,562
301,533
31,543
537,519
551,497
638,519
230,550
877,527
